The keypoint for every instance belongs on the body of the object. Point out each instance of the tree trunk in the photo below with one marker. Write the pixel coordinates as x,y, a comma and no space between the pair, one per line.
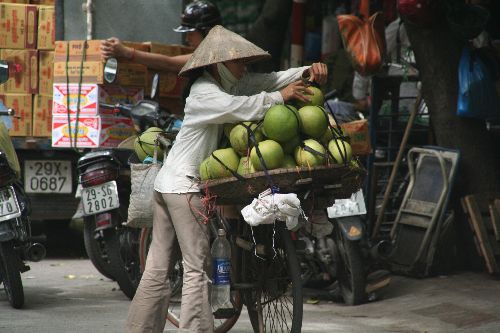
437,53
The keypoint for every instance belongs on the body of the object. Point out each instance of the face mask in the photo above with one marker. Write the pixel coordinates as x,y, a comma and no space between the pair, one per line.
226,77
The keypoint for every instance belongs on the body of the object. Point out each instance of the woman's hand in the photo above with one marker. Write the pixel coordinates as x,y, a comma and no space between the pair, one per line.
318,72
296,91
113,47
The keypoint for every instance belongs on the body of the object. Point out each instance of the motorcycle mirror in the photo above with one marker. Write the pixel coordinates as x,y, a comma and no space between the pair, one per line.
4,71
154,85
110,70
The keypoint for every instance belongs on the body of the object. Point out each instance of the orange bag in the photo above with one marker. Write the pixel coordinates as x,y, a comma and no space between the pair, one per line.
364,39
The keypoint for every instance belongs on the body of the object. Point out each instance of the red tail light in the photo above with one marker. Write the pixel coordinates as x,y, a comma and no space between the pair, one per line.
103,221
99,176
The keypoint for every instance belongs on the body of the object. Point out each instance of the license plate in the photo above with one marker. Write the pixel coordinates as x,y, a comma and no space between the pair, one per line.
355,205
100,198
43,176
9,208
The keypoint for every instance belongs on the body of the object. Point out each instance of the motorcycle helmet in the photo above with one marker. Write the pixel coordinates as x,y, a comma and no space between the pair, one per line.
199,15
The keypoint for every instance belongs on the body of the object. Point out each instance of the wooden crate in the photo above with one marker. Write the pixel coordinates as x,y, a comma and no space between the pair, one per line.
483,212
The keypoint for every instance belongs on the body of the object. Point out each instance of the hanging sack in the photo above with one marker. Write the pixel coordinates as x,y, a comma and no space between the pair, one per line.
421,13
476,94
363,38
142,178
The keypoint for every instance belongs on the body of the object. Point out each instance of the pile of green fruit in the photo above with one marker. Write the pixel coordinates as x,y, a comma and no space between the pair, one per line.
287,137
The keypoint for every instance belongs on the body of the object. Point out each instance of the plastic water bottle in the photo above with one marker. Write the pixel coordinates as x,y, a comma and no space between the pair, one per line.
221,261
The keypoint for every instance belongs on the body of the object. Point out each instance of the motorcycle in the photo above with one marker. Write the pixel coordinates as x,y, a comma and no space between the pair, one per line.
104,176
332,251
16,241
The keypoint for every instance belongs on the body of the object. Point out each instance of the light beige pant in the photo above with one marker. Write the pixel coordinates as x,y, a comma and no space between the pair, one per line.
174,216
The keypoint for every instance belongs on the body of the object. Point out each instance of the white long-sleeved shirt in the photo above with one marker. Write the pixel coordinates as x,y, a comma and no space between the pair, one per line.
207,108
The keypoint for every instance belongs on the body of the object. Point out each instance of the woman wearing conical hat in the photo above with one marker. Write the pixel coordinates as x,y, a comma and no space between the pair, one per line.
221,92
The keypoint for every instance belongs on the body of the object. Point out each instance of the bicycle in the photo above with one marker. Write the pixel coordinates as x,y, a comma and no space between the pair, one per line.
265,277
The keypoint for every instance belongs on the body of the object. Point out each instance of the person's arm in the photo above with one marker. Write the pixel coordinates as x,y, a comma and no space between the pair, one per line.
218,107
112,47
209,104
256,82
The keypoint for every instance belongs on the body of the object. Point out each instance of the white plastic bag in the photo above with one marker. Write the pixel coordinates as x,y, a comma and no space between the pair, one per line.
266,210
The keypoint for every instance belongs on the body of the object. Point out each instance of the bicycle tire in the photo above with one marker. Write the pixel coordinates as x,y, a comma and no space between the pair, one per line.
11,276
350,269
276,280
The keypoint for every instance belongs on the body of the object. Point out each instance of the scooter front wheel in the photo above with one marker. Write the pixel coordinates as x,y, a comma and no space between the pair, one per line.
11,276
350,269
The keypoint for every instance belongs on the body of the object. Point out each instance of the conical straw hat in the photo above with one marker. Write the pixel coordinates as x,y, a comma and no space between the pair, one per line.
223,45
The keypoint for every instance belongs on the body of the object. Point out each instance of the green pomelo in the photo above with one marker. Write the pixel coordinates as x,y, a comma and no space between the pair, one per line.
341,150
271,152
305,158
227,129
227,156
316,99
289,162
314,121
330,134
239,137
204,175
141,154
289,146
245,167
281,123
145,144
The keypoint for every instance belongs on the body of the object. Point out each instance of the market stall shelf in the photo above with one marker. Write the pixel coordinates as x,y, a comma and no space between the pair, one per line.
332,182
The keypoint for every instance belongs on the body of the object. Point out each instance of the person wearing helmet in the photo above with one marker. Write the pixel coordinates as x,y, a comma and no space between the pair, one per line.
222,91
196,21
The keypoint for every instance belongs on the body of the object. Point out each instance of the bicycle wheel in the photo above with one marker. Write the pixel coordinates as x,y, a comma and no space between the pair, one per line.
275,302
177,271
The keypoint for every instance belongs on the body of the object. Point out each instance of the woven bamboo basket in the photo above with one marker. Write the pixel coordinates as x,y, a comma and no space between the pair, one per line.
333,181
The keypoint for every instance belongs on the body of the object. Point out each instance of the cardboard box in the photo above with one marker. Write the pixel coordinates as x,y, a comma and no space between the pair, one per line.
93,50
90,97
93,132
46,28
76,50
168,49
171,85
26,81
22,104
129,74
114,130
18,25
88,129
43,2
45,72
42,116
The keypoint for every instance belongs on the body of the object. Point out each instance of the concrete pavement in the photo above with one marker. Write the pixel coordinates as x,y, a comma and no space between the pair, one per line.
69,295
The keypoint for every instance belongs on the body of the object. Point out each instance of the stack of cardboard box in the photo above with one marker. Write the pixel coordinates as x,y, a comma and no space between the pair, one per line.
19,36
79,82
53,73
